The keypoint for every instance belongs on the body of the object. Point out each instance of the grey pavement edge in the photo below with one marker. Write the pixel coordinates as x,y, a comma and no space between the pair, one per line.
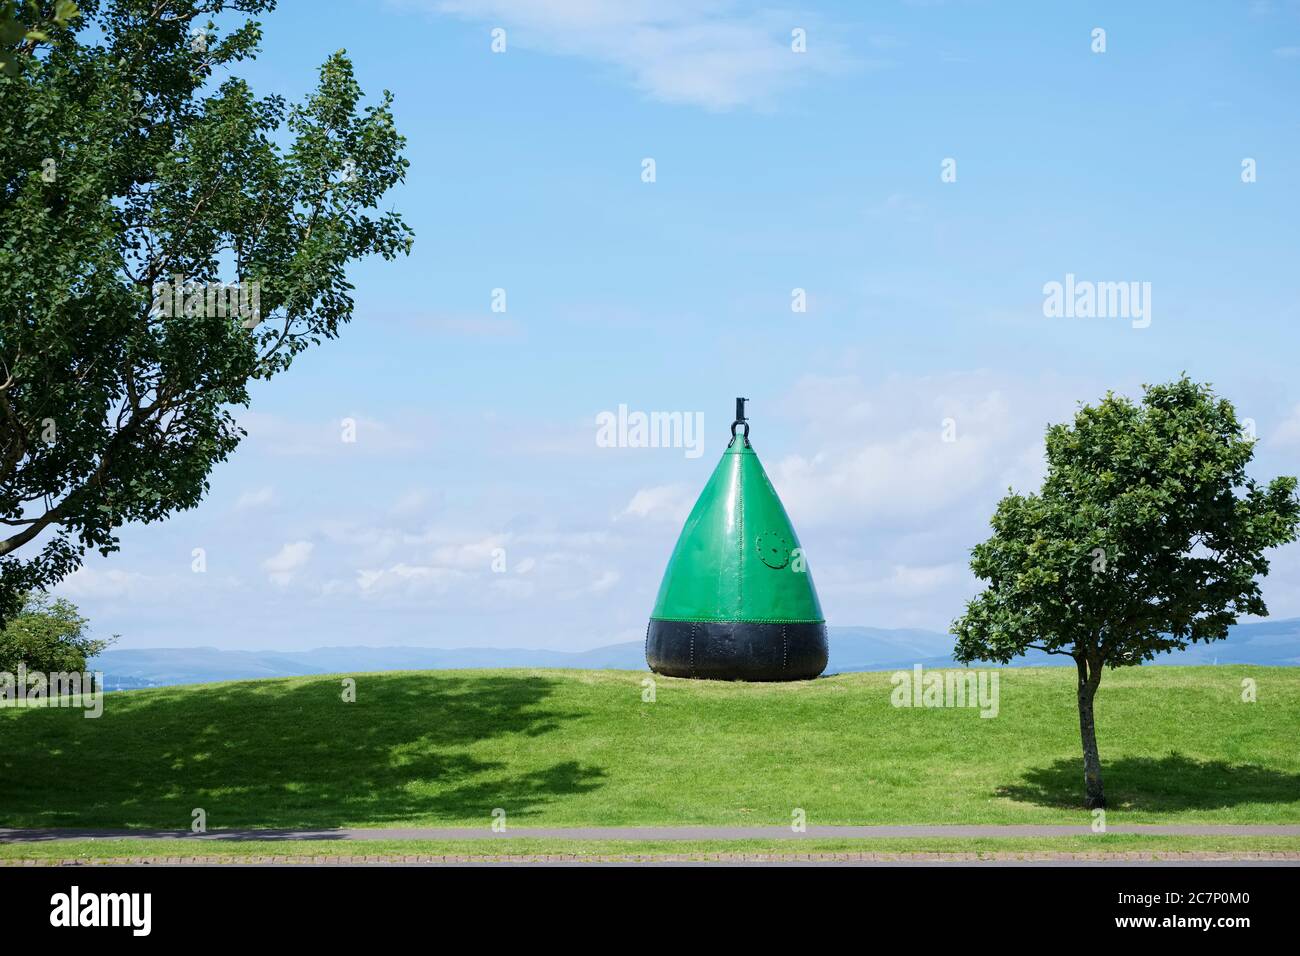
656,833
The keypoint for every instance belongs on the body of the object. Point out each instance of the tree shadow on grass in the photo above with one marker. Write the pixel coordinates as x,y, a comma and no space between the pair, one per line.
1157,784
293,754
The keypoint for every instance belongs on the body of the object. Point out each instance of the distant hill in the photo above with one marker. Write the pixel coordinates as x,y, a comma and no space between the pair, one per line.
161,666
1271,643
1274,643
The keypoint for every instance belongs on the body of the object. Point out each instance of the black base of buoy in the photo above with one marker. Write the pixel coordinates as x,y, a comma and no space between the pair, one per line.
736,650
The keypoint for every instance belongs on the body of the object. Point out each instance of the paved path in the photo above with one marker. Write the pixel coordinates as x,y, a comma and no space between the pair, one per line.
1095,858
659,833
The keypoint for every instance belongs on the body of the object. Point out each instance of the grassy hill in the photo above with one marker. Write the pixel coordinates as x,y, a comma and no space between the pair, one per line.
569,748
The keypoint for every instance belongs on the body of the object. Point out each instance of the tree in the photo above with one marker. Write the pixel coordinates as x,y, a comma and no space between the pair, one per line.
1146,536
47,635
29,26
135,175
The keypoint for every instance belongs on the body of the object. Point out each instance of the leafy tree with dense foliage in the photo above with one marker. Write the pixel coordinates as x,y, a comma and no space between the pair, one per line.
165,238
47,635
25,24
1147,535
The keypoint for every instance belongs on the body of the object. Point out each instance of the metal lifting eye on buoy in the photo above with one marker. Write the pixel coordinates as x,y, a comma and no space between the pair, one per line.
737,601
740,418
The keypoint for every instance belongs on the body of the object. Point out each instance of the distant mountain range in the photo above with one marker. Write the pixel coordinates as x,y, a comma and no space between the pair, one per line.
852,649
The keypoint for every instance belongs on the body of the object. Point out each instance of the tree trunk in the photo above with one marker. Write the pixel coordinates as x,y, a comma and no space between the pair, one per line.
1094,798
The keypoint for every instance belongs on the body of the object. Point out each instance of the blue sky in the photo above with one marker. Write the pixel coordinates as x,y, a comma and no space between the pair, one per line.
774,170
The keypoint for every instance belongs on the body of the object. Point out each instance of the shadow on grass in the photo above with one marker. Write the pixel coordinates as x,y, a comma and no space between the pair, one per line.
278,754
1157,784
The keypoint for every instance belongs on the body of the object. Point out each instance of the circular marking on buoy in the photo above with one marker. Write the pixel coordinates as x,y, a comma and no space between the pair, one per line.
773,549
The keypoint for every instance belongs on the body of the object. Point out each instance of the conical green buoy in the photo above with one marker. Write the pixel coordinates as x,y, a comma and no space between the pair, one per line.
737,601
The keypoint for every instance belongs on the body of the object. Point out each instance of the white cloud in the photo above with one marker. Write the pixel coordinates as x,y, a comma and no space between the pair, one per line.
108,583
897,205
487,327
660,503
255,498
603,582
886,509
471,555
408,579
454,568
882,459
411,502
707,54
1287,434
347,434
282,565
905,581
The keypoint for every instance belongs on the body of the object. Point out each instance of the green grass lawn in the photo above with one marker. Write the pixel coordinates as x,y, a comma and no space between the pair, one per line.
574,748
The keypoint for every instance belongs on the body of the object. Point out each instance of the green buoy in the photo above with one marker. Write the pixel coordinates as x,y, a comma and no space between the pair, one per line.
737,601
